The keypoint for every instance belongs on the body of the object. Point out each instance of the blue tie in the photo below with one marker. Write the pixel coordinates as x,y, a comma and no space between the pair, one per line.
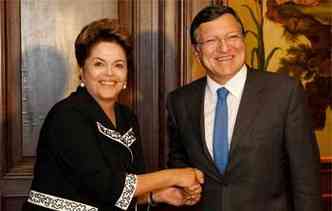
220,132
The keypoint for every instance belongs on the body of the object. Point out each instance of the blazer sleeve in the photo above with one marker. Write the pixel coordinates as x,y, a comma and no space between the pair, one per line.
73,138
303,153
177,154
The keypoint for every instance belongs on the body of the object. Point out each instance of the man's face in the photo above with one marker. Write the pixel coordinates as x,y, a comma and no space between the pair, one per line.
220,47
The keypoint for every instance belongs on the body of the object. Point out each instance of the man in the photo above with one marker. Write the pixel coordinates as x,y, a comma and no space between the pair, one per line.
255,144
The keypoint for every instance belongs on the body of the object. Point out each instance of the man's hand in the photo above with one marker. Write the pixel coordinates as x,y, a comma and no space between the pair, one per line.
192,194
173,196
178,196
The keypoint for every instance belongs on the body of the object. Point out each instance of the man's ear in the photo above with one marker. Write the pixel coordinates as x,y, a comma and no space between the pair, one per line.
196,52
196,49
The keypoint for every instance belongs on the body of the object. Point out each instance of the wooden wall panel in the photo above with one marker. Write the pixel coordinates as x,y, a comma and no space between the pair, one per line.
162,56
326,183
145,37
12,202
16,169
2,109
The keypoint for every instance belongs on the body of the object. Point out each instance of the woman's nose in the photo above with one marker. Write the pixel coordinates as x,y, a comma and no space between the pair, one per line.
109,70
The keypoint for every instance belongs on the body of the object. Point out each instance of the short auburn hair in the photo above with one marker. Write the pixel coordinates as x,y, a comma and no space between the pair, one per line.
103,30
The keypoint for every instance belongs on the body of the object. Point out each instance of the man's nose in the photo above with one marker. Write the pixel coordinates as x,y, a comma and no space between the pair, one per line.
222,45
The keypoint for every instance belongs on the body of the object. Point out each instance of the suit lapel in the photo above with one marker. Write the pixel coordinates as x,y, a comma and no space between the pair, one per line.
249,105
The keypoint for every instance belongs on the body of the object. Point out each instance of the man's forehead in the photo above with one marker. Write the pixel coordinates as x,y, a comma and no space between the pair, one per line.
222,25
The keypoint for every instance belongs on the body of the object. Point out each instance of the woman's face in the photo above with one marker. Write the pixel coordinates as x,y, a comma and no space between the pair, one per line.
105,72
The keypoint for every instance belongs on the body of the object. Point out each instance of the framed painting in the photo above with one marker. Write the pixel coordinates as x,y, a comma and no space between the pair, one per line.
294,36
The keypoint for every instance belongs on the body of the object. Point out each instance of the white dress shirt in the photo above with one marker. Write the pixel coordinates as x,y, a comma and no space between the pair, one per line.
235,87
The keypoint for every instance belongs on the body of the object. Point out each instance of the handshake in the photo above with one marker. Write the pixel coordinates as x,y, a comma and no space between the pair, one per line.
185,187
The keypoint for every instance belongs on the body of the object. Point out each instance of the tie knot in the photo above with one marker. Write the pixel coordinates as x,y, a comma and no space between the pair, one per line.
222,93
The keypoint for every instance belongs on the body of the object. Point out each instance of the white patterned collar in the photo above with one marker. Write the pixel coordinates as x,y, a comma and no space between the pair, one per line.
126,139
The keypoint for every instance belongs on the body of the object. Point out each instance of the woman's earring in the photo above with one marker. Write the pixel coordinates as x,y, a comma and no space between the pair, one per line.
124,86
82,84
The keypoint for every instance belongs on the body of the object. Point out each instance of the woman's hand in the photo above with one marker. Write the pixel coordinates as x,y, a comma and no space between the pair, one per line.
188,177
188,180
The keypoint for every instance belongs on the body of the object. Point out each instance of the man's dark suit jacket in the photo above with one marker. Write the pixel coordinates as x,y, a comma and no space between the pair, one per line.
274,158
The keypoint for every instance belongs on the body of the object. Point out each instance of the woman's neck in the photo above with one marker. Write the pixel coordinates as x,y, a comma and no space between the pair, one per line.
109,110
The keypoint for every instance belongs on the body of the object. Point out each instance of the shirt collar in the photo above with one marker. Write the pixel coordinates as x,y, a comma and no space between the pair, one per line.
235,85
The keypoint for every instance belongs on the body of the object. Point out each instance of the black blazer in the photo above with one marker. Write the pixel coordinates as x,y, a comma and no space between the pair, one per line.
83,158
274,158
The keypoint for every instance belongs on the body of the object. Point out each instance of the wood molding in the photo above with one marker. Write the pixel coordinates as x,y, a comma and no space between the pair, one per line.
162,80
326,159
2,98
16,165
145,22
16,170
185,16
125,12
326,181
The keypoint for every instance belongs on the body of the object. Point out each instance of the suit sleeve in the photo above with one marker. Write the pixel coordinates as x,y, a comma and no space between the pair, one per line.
177,154
73,138
303,153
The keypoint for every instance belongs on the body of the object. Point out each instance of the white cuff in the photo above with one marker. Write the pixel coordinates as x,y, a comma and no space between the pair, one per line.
128,192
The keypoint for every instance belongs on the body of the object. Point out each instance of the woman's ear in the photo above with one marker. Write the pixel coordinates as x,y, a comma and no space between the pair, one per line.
80,72
81,77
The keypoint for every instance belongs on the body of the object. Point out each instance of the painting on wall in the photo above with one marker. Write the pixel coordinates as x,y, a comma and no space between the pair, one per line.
295,37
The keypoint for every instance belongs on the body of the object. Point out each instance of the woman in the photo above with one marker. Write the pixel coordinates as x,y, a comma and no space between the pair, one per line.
89,154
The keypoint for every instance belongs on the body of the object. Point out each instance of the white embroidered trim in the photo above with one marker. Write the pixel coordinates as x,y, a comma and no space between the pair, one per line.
128,192
57,203
126,139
